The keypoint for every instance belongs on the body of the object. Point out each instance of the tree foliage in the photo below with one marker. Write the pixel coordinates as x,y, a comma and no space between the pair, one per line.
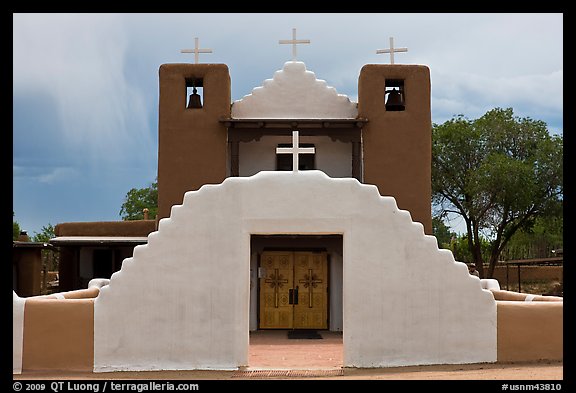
461,251
539,241
500,173
137,200
47,232
50,257
442,232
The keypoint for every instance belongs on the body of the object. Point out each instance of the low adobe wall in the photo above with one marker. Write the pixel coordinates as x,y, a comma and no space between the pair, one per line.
528,273
55,332
58,329
518,296
58,334
89,293
530,327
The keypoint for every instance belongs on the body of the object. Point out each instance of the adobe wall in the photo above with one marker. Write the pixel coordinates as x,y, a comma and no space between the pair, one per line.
28,262
139,228
89,293
528,273
405,302
519,296
18,304
192,143
58,334
397,145
530,331
55,332
69,254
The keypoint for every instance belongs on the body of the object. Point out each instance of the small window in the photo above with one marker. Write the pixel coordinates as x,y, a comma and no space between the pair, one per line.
394,96
194,93
306,162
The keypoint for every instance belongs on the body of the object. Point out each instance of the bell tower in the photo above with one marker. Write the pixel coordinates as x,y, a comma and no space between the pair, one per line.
192,143
397,139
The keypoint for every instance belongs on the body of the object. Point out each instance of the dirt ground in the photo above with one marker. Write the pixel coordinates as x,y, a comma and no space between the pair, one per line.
273,356
528,371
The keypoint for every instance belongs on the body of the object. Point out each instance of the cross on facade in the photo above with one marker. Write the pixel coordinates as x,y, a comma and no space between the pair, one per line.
294,42
310,282
295,150
196,50
276,281
391,50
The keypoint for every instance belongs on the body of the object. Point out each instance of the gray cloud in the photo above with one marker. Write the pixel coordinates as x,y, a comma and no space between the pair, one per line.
79,60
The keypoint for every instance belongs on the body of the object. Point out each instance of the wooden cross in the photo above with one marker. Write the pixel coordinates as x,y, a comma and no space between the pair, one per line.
295,150
310,282
196,50
391,50
294,42
276,281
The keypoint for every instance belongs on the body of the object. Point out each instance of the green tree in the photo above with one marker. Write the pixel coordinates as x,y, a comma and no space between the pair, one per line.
137,200
461,252
47,232
50,257
537,242
499,173
442,232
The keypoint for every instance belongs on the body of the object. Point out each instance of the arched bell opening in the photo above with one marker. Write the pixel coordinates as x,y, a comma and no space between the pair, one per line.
394,95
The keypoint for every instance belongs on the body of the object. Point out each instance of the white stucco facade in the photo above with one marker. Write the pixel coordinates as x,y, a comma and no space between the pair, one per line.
294,93
332,157
17,332
183,300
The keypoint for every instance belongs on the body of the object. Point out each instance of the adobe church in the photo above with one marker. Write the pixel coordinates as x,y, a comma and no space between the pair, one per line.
291,208
384,140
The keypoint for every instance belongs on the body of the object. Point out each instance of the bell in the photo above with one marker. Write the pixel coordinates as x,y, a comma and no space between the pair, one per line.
395,101
194,101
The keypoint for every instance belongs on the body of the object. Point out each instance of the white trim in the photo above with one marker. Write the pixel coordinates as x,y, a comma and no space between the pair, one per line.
17,332
529,298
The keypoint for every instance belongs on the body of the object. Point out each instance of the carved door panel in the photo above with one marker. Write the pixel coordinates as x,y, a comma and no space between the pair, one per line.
311,280
293,290
276,311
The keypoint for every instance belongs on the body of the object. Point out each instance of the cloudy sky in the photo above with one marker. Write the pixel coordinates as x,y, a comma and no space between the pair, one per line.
85,86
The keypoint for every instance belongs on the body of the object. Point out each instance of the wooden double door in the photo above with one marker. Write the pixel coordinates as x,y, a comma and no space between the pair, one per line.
293,290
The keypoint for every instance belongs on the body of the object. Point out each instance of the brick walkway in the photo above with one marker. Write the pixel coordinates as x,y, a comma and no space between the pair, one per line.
272,349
